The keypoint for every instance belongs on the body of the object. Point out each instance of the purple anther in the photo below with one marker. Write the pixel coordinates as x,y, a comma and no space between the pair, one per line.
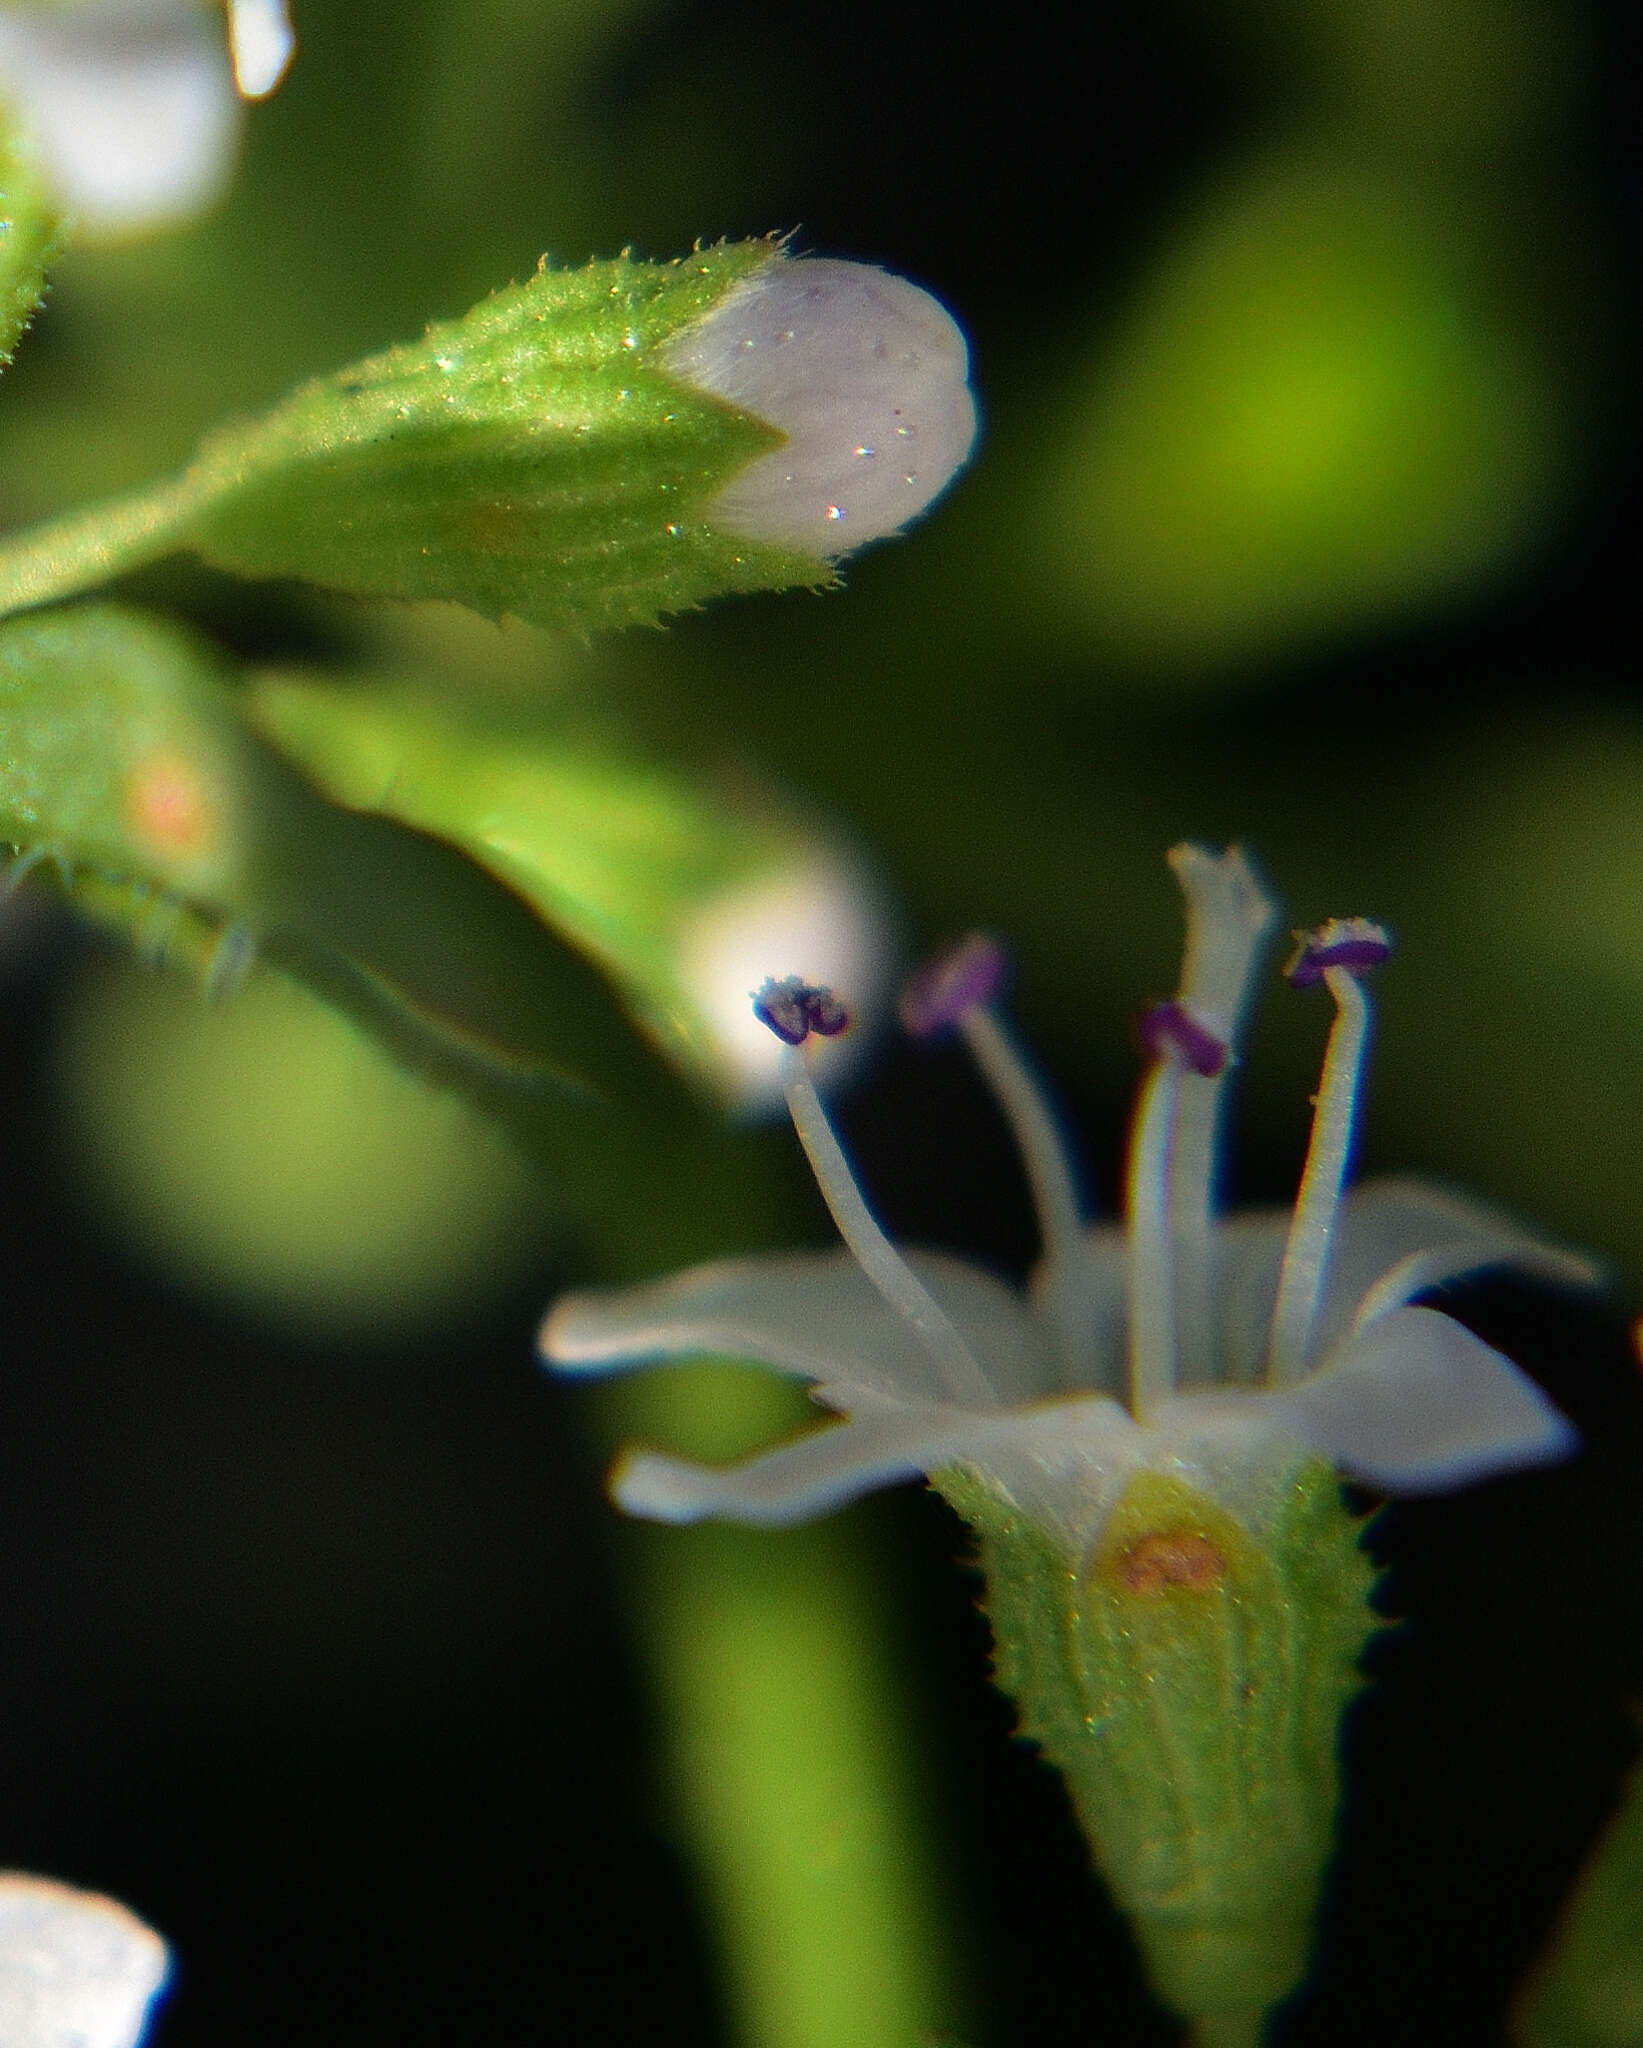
1355,943
1171,1029
828,1016
793,1008
946,988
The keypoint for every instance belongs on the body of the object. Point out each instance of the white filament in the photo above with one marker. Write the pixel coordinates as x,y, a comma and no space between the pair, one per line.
1306,1253
1151,1266
865,374
1229,915
1051,1178
871,1249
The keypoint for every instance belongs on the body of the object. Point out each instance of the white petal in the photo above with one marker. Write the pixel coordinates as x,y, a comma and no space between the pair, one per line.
1063,1459
866,375
261,38
1414,1403
76,1970
1395,1239
813,1314
130,105
1096,1282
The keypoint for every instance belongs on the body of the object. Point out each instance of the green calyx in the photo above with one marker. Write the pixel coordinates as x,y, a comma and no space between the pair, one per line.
1188,1679
28,242
534,457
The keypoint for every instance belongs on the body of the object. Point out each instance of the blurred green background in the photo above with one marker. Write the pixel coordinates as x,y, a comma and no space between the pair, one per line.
1298,327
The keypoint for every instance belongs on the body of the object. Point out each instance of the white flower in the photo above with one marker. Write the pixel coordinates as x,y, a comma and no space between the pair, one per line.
868,378
76,1970
1220,1351
131,106
823,914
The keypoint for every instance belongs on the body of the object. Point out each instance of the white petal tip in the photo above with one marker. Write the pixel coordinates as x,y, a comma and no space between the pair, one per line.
75,1968
1417,1404
866,375
263,43
657,1489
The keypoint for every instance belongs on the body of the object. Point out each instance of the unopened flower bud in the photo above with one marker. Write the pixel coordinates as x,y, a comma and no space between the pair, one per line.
866,375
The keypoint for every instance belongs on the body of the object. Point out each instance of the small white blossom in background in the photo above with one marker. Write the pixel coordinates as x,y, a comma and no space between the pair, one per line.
868,377
1218,1350
826,920
132,107
76,1970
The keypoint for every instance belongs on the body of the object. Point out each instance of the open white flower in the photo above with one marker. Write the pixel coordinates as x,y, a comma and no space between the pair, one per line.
132,106
1218,1351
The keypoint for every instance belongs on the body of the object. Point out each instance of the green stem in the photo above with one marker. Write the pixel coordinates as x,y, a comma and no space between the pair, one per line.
1243,2028
790,1757
82,550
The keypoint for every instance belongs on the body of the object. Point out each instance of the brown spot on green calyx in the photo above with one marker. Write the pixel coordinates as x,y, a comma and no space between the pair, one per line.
1154,1563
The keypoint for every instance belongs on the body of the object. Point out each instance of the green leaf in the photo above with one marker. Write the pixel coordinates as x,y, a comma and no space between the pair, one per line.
534,457
28,242
126,761
1588,1991
1188,1679
626,857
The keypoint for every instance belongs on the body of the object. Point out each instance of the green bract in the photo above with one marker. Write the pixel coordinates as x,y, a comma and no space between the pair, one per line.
534,457
28,241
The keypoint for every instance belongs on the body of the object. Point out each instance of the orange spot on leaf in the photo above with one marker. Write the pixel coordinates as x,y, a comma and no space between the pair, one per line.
167,805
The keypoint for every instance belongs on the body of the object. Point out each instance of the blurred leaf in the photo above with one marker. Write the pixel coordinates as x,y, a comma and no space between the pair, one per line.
124,758
649,869
1317,416
265,1151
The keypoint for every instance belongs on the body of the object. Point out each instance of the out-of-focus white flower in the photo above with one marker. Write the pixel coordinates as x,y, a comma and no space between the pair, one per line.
823,918
866,375
132,107
1221,1351
76,1970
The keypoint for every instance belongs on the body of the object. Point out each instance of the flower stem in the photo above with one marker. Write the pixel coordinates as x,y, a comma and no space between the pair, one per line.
790,1756
1242,2028
68,556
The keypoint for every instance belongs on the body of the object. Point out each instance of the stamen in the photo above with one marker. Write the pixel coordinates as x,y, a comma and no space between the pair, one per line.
1151,1274
943,993
1171,1028
779,1004
793,1008
1228,917
953,993
1336,954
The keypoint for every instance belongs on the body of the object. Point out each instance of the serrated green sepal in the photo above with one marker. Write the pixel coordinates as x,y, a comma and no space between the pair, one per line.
28,242
1188,1679
534,457
126,761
